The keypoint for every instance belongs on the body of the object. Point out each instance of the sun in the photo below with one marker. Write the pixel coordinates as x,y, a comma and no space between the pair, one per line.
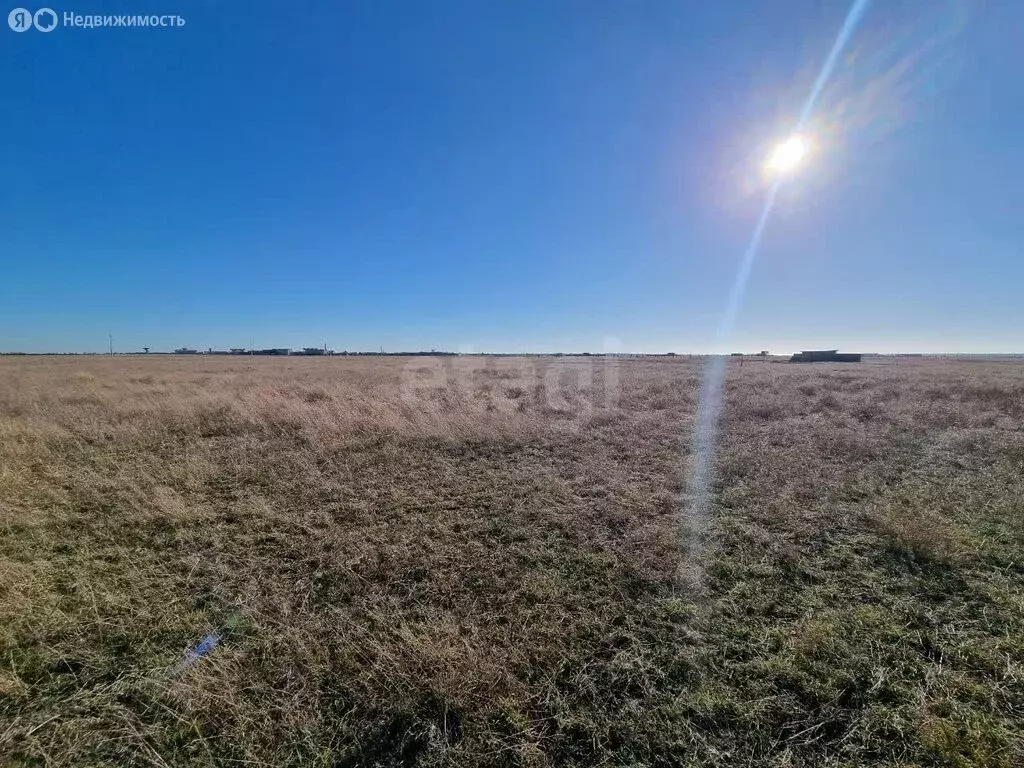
788,156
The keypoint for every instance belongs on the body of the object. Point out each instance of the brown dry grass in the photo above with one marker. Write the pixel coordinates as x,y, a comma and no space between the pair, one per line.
481,569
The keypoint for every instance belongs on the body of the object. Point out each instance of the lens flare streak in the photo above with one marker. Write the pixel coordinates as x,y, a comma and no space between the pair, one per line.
698,505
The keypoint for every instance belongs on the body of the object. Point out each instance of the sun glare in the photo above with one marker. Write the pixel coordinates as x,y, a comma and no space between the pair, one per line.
788,156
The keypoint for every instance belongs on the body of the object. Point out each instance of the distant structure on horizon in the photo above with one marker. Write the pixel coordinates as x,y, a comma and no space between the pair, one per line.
272,351
304,352
824,356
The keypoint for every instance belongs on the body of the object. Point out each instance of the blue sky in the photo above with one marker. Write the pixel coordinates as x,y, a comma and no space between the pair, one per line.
512,176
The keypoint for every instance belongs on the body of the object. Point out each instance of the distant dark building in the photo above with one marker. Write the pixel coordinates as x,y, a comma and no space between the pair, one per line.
824,356
763,353
275,351
185,351
314,351
238,351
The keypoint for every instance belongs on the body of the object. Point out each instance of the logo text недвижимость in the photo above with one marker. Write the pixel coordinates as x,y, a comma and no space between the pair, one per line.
47,20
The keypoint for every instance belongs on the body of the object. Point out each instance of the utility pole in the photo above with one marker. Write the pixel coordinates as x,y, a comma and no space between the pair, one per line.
110,337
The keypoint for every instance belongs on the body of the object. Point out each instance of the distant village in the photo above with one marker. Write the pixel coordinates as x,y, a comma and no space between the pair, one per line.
242,351
285,352
806,356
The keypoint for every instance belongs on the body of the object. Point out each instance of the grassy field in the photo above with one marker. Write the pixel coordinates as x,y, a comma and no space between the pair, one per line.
492,565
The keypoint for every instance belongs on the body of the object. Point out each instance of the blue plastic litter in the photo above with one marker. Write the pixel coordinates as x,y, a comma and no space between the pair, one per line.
197,652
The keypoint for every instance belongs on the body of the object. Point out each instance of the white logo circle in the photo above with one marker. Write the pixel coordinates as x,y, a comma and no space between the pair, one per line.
45,20
20,20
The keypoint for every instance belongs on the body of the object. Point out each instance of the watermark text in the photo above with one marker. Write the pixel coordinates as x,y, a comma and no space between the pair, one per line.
47,20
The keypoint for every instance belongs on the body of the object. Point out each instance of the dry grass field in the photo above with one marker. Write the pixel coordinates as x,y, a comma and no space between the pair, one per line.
488,567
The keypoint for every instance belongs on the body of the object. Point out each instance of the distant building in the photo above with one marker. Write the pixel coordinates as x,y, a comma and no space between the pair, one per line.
186,351
238,351
274,351
824,356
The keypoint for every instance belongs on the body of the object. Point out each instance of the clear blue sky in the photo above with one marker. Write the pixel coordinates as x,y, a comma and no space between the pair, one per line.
511,176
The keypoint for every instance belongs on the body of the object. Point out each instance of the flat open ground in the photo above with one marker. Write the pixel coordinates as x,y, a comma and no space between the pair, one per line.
492,565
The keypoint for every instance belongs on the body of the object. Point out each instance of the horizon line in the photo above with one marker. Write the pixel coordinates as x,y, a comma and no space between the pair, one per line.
445,353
